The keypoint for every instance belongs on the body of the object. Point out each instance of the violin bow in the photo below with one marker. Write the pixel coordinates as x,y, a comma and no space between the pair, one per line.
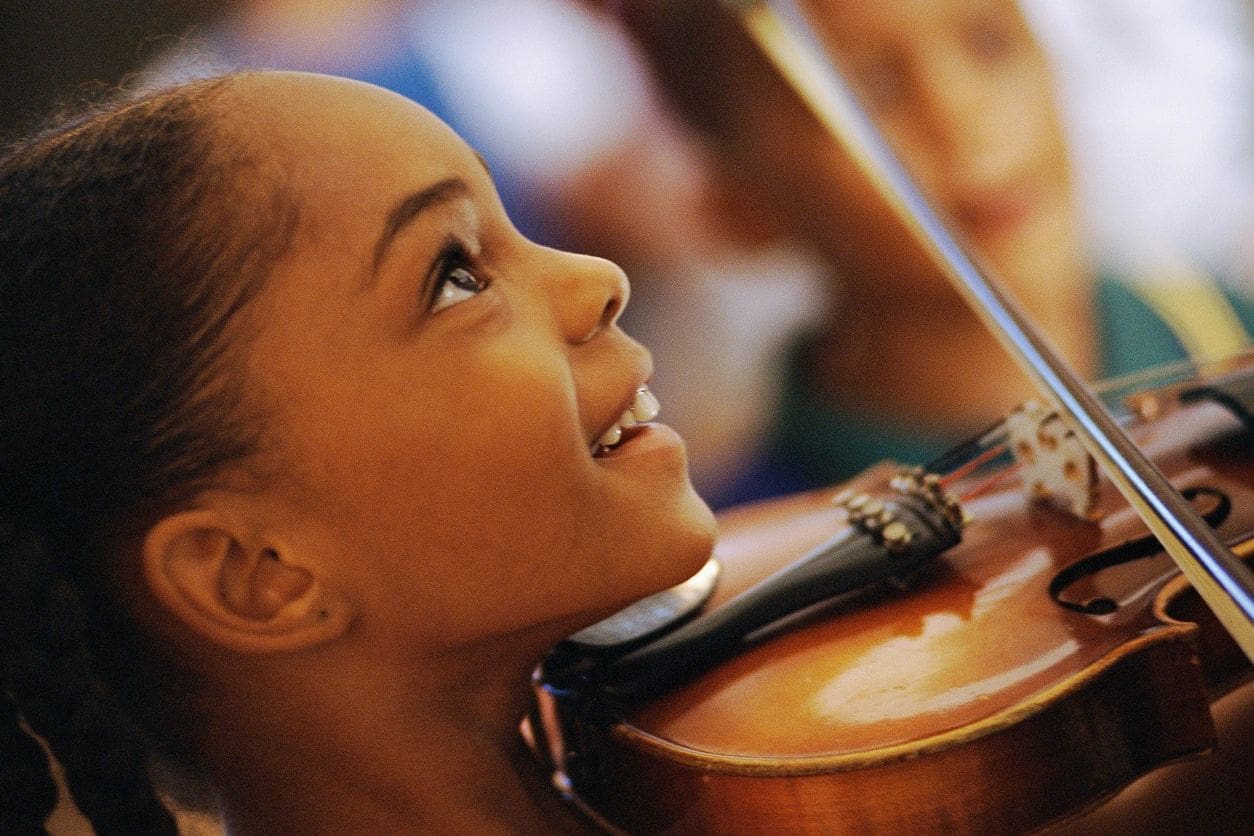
786,39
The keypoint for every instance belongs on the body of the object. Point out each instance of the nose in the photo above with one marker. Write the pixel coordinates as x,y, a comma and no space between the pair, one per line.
589,296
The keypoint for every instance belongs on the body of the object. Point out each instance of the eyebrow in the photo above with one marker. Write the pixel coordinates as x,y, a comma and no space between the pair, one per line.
410,207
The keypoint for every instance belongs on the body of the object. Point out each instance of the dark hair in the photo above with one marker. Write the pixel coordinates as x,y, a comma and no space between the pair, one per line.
130,237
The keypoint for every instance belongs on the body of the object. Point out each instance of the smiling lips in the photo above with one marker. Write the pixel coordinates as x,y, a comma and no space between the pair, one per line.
643,408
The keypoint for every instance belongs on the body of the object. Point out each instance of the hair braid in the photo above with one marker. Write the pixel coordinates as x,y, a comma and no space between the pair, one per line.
27,792
49,669
124,256
30,793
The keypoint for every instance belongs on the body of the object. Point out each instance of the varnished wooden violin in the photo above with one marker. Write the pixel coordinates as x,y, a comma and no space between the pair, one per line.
1035,668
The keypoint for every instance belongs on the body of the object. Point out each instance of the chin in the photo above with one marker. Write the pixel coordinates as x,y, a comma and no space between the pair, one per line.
694,537
670,543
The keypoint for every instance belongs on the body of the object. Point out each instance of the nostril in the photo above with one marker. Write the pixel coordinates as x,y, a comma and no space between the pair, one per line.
587,328
609,315
592,298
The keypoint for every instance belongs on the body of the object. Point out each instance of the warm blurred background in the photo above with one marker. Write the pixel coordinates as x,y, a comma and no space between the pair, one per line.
50,48
1118,58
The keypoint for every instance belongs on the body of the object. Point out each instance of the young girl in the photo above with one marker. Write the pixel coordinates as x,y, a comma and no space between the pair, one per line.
307,457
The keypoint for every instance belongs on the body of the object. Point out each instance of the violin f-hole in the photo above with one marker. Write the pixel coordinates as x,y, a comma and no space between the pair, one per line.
1214,507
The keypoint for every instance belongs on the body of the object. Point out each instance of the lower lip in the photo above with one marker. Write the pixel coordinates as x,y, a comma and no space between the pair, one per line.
649,438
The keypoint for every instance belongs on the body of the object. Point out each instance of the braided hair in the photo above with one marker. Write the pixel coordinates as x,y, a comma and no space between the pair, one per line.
130,237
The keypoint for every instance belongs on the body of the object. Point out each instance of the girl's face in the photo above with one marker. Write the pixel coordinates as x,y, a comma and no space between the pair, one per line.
438,384
964,94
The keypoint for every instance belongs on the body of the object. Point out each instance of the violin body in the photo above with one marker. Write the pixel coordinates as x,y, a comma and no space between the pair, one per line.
968,700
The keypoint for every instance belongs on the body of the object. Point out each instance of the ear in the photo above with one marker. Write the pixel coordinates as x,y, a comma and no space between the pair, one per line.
236,591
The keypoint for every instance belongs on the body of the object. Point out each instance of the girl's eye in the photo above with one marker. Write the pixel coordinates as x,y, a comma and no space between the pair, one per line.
456,284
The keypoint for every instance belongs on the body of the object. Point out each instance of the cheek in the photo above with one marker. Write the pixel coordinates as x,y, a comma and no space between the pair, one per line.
917,153
1025,109
471,462
1054,162
481,499
445,541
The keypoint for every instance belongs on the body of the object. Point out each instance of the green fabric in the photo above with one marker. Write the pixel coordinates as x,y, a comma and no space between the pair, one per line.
1133,337
813,445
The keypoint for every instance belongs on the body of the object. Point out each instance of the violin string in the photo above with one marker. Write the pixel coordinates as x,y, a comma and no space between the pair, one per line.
973,464
967,457
1141,379
964,450
1156,376
990,483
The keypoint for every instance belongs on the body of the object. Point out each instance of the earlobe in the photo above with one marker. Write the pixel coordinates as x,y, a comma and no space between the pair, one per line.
235,591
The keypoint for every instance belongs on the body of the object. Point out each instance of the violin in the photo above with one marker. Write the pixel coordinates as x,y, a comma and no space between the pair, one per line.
1069,598
1037,667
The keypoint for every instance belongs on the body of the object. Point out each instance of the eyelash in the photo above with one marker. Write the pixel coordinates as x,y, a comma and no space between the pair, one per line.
454,263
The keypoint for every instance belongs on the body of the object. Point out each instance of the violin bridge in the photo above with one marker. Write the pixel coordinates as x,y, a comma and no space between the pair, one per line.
1053,463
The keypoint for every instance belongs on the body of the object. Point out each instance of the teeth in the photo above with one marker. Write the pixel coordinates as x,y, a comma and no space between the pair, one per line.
612,436
644,408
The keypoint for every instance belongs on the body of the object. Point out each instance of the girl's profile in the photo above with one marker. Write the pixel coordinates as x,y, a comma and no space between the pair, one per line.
308,455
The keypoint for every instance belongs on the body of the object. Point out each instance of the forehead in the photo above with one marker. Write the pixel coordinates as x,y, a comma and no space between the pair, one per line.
336,137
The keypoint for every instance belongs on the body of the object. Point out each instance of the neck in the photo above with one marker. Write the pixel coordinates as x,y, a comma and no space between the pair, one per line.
435,748
941,368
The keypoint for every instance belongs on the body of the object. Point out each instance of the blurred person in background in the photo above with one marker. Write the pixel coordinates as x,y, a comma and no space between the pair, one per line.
965,96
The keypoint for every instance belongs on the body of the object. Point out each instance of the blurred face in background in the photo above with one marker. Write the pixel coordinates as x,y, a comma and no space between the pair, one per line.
963,92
